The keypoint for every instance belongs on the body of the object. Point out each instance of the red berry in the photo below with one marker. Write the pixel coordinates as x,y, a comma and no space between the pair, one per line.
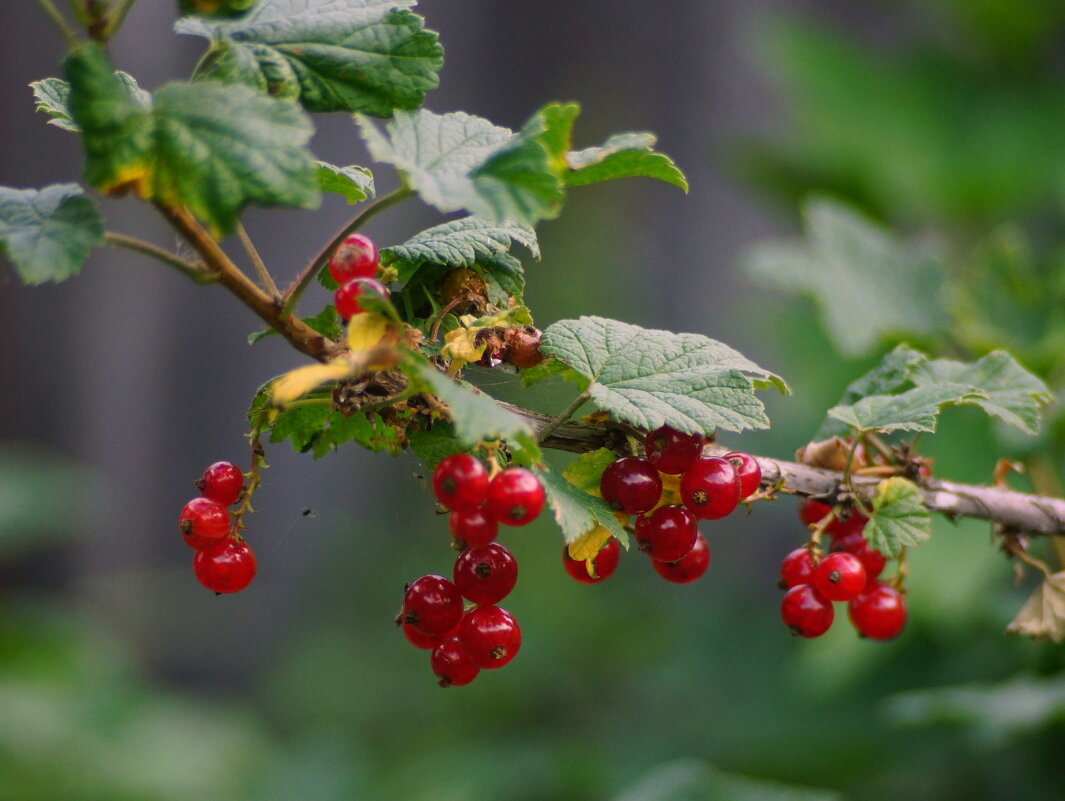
356,257
805,612
797,568
690,567
432,605
473,528
631,484
491,636
460,482
222,482
487,574
419,640
668,534
872,560
346,299
452,665
812,512
711,489
603,564
879,613
747,470
515,497
227,567
669,451
204,523
840,576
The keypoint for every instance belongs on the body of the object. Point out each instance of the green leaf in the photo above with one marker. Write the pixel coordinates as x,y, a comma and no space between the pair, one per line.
371,56
627,155
899,519
434,444
369,431
300,425
209,147
587,469
462,243
694,780
577,512
53,98
867,283
48,233
1013,394
326,322
652,378
216,8
550,368
913,410
355,184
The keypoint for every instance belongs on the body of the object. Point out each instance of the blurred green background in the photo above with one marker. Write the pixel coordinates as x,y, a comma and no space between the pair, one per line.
121,678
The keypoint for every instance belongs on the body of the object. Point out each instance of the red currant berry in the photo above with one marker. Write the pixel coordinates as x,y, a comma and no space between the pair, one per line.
419,640
748,471
460,482
840,576
603,564
473,528
346,299
812,512
872,560
688,568
432,605
805,612
668,534
227,567
452,665
356,257
222,482
711,489
515,497
491,636
204,523
630,484
671,452
879,613
797,568
487,574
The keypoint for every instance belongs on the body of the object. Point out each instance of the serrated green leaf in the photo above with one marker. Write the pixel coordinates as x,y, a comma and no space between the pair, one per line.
300,425
577,512
1013,394
434,444
587,469
326,322
462,243
627,155
355,184
48,233
913,410
53,98
652,378
369,431
866,282
370,56
899,518
209,147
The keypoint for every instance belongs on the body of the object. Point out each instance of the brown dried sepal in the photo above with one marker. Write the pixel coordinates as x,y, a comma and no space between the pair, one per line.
464,292
831,454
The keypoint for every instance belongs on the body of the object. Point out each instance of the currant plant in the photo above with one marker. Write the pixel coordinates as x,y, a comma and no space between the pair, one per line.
388,350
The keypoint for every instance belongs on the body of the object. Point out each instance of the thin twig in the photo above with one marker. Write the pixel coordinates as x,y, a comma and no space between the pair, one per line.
117,17
565,415
60,22
257,262
186,268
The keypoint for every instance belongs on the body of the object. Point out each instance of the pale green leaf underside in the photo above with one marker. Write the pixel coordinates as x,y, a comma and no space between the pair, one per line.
899,519
651,378
353,183
462,243
371,56
53,98
627,155
577,512
48,233
913,410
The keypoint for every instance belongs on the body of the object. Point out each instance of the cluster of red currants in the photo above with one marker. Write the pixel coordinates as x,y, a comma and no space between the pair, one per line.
849,573
353,266
223,562
485,636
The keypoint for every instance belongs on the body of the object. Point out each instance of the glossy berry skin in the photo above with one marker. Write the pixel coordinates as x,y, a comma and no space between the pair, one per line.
227,567
689,568
515,497
432,605
357,257
671,452
747,471
204,523
603,565
472,529
797,568
805,612
840,576
491,636
668,534
346,299
711,489
811,512
487,574
460,482
872,560
452,665
222,482
419,640
631,485
879,613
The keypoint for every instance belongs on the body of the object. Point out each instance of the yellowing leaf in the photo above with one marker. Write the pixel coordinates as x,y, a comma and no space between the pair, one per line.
460,346
588,545
297,383
365,331
670,491
1043,616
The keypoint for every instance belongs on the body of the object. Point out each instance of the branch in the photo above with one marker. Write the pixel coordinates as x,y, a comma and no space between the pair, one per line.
188,269
60,23
265,278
